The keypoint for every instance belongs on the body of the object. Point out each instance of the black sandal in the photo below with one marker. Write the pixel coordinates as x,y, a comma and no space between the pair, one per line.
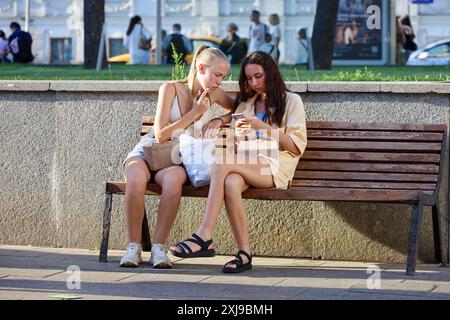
203,252
239,263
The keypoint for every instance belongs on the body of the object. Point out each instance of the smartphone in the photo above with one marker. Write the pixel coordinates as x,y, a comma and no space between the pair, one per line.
237,116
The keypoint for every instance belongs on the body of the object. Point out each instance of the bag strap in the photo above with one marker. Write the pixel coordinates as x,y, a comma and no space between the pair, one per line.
304,46
231,47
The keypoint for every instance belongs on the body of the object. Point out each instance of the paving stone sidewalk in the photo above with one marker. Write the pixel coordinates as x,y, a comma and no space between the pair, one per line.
41,273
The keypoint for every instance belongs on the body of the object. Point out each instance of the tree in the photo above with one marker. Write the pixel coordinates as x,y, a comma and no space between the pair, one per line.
94,17
324,32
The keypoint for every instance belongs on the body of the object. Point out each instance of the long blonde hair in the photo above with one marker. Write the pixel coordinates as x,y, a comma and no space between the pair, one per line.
206,55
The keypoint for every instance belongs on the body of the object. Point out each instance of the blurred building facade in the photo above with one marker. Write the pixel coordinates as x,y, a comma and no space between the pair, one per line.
57,25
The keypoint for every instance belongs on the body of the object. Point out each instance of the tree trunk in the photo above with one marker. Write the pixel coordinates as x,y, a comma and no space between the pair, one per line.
94,16
324,33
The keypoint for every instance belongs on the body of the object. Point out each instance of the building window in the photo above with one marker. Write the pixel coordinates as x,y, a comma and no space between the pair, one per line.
61,50
179,7
116,47
237,7
299,7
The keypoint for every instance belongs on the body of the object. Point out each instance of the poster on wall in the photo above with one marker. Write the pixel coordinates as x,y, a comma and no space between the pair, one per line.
360,29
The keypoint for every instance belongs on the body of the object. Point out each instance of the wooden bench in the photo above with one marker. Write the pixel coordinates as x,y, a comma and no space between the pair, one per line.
353,162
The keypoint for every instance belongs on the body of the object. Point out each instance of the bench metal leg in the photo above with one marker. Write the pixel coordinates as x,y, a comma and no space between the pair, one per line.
437,232
106,226
448,236
416,216
146,242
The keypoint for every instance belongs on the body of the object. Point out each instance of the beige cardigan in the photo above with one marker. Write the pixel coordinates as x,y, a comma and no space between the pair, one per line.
294,124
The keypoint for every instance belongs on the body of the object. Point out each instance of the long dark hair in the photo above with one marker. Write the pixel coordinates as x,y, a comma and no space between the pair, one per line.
275,86
2,34
406,21
133,22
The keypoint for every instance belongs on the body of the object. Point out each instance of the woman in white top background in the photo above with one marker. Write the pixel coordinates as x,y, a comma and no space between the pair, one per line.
135,32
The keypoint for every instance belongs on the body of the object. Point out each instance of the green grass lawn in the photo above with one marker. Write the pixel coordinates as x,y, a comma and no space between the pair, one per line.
290,73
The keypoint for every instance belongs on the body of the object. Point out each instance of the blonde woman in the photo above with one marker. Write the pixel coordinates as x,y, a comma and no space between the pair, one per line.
179,105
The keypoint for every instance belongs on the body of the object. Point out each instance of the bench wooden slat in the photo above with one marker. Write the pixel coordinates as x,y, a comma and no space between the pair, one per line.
342,194
375,146
374,135
364,176
371,156
363,184
375,126
293,193
119,187
148,120
145,129
367,167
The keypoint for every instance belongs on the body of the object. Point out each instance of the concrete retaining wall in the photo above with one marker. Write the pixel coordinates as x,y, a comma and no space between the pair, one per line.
62,140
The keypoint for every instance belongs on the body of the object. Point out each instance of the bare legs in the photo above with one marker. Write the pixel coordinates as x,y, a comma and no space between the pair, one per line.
228,181
137,176
234,186
170,179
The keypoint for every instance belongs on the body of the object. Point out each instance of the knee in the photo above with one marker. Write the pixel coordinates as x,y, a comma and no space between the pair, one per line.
172,184
136,183
136,175
233,184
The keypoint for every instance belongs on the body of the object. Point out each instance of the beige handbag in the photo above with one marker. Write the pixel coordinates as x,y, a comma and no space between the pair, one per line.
162,155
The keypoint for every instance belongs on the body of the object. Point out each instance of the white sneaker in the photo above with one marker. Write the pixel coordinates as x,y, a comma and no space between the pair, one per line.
159,258
132,257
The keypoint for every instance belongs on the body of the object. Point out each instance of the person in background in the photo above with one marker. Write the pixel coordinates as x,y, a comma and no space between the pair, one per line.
136,36
256,32
4,48
163,54
20,43
270,48
399,55
176,40
301,48
233,46
404,24
275,32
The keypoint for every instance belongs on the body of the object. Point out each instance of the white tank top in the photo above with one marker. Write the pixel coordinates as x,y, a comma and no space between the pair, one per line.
194,129
175,111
